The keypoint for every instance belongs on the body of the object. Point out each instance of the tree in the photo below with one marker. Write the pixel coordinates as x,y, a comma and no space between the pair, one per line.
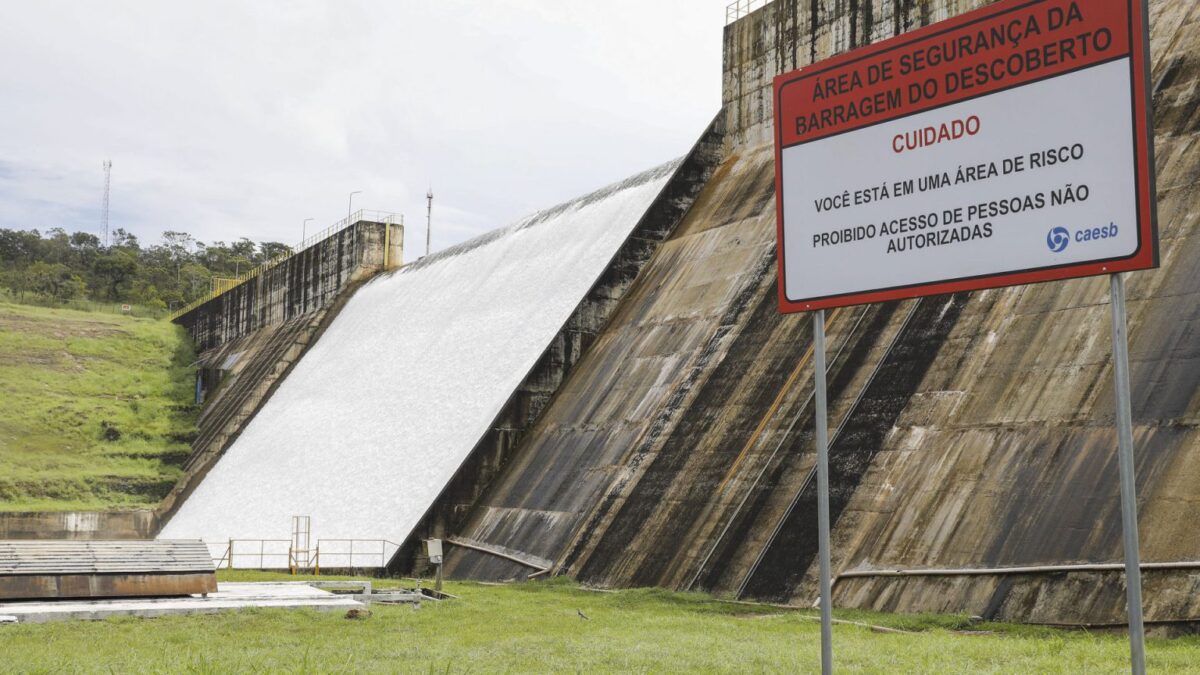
70,265
273,249
179,246
116,269
196,280
144,293
55,281
18,248
17,281
122,239
84,249
56,246
243,248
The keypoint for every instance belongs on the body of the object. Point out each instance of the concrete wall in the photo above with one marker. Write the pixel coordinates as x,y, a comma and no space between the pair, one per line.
974,430
1007,454
79,525
304,283
591,445
675,419
789,34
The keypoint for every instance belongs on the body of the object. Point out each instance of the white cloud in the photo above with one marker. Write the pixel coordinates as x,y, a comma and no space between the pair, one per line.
230,119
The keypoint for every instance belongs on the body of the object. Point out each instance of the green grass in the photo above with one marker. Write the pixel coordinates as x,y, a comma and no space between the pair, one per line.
97,409
535,627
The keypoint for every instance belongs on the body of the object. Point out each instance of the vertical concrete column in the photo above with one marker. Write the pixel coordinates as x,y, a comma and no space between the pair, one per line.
395,247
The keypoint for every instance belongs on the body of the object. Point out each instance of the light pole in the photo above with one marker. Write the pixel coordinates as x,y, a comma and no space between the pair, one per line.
428,219
350,207
304,230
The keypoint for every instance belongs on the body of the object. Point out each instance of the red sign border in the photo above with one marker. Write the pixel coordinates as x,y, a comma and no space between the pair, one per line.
1145,257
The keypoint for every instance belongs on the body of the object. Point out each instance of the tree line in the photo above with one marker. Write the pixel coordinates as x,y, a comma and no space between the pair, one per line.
59,267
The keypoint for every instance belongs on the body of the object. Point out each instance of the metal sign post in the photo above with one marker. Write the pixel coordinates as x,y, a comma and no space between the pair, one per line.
823,492
1129,521
902,173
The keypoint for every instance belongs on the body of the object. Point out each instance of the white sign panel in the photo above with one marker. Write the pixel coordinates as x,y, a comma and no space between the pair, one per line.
1004,149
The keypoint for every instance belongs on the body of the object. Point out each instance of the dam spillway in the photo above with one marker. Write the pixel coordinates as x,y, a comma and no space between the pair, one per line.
379,413
971,432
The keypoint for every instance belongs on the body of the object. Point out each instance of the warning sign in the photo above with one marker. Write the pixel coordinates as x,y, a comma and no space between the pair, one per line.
1010,145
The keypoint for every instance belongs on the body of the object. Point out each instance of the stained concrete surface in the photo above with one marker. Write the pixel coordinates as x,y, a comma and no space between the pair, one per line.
140,524
306,282
229,597
675,453
977,429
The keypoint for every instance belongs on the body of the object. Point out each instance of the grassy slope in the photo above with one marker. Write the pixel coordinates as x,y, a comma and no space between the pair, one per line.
536,628
64,375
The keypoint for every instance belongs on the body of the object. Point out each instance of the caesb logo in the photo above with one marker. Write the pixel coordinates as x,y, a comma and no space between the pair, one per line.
1058,239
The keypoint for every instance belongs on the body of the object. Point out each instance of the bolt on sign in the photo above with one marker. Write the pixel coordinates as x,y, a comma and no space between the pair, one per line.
1010,145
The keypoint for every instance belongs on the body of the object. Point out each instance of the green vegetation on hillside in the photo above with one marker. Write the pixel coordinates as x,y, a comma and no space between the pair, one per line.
97,409
537,628
56,268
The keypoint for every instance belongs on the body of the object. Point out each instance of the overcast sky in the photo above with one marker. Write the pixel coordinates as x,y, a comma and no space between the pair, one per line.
228,119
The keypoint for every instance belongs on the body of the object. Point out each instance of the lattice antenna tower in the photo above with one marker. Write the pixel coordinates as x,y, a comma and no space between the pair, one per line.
107,185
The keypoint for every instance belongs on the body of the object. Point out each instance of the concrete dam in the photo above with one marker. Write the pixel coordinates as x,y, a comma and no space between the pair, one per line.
608,391
379,413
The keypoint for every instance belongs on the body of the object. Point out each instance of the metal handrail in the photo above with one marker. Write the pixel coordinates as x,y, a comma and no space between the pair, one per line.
228,557
381,552
361,215
378,548
742,8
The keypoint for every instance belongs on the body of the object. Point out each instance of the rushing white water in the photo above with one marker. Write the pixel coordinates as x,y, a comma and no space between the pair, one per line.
379,414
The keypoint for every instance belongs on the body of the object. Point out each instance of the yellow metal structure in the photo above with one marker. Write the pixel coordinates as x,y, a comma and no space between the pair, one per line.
219,285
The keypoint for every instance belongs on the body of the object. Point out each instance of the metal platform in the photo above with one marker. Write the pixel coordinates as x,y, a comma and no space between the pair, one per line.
104,569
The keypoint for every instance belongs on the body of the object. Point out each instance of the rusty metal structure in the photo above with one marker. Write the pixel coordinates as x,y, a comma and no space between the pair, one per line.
104,569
